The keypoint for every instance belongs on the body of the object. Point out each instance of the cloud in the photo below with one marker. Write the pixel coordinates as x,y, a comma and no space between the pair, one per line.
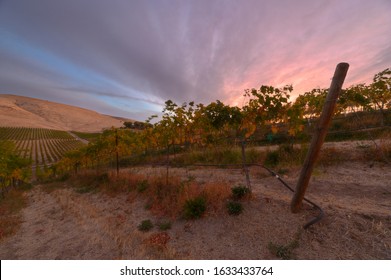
130,56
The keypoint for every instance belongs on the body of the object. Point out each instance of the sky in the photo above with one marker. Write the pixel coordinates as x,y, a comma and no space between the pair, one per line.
127,57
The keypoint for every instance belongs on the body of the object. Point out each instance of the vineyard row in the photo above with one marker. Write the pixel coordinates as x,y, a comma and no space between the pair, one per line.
43,146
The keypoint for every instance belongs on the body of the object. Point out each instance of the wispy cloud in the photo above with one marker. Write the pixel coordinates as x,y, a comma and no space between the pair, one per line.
128,57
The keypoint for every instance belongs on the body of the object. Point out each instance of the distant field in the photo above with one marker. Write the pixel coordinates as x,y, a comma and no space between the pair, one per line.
89,136
42,146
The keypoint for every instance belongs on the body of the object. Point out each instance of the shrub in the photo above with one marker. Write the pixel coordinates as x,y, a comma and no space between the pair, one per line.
64,177
194,208
103,178
272,158
164,225
145,225
234,208
240,191
284,252
142,186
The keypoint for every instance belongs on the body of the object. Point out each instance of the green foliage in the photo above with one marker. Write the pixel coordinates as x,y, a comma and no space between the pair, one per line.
194,208
145,225
240,191
137,125
267,112
12,166
234,208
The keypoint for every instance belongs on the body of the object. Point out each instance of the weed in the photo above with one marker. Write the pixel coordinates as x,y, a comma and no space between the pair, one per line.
148,205
145,225
234,208
194,208
330,155
240,191
142,186
285,252
85,189
64,177
285,155
272,158
282,171
164,225
253,156
103,178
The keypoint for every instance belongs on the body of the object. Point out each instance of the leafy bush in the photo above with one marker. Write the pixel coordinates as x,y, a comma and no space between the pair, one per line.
145,225
234,208
240,191
194,208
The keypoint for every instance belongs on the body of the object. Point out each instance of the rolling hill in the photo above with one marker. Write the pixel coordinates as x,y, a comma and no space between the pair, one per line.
20,111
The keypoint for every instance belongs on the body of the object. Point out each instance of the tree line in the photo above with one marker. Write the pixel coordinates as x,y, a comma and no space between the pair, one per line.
191,124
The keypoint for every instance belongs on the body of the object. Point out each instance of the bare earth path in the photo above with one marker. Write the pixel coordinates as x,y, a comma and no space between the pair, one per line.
64,224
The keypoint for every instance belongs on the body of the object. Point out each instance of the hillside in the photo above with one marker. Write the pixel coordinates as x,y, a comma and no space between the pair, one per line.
20,111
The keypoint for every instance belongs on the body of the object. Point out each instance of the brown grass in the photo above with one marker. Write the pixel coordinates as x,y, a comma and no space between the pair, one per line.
164,198
10,207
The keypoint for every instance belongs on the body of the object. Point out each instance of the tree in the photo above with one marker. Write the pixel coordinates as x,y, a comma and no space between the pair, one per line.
265,106
379,93
312,102
12,167
354,98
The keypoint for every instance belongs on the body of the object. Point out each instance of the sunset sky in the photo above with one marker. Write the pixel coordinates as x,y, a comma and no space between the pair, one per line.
125,58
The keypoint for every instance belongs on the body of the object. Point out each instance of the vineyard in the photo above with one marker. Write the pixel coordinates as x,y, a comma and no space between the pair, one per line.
42,146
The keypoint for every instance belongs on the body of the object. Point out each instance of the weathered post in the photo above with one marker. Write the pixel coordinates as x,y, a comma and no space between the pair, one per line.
245,167
116,152
319,136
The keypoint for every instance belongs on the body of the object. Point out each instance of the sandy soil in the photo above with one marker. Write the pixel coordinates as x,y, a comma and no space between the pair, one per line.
63,224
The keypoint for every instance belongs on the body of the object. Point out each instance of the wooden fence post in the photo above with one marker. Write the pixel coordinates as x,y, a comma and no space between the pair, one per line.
319,136
245,167
116,152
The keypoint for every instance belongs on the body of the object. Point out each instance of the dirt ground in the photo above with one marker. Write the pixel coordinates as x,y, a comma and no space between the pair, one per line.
356,197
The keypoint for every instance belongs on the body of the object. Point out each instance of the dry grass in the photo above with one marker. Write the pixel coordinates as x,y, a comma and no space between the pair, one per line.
169,200
165,197
10,207
103,225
